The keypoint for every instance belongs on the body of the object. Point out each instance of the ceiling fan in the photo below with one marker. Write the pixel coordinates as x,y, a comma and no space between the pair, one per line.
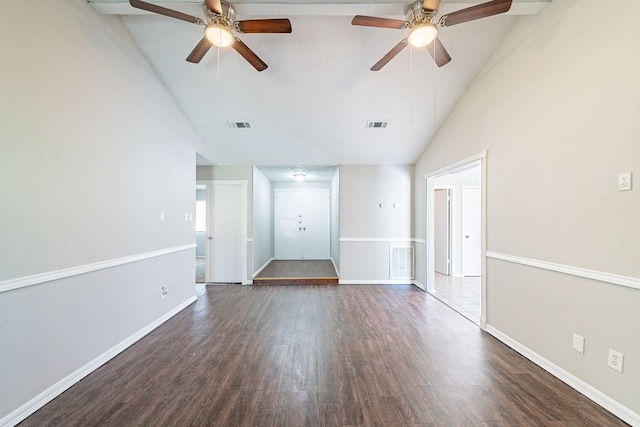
420,18
219,24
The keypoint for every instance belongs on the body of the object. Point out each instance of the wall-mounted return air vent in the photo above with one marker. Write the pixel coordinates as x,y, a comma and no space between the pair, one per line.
378,124
240,125
400,262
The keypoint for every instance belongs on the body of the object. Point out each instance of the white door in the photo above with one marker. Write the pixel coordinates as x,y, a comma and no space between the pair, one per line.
225,233
302,224
471,231
442,229
315,224
288,237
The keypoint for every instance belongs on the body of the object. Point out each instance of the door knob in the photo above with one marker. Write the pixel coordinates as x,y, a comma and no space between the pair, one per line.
466,237
210,237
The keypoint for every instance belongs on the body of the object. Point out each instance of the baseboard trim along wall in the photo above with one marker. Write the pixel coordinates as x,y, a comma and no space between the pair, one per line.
61,386
49,276
263,267
615,279
620,411
377,239
376,282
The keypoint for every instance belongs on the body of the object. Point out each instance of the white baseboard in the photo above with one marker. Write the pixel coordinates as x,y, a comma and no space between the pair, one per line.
420,285
376,282
617,409
58,388
335,267
263,267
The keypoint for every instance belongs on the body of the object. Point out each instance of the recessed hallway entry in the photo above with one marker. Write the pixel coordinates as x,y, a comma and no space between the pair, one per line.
302,224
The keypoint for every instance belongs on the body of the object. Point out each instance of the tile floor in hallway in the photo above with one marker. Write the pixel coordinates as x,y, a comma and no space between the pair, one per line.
460,293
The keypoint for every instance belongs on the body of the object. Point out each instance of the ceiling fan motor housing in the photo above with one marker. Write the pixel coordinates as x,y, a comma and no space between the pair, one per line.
417,15
228,14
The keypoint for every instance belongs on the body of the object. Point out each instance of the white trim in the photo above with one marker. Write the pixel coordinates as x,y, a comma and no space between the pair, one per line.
376,282
420,285
263,267
36,279
571,380
377,239
615,279
421,241
18,415
249,239
335,267
457,166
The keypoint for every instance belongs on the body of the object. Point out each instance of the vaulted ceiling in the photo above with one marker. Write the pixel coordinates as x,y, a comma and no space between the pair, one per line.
312,104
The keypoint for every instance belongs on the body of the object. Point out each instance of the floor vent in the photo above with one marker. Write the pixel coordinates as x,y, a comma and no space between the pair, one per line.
378,124
240,125
400,262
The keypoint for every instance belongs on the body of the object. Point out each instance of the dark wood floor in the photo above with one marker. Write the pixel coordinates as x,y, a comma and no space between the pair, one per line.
319,355
297,272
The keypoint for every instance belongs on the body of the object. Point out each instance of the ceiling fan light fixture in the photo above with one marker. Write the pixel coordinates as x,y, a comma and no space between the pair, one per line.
299,176
219,35
423,34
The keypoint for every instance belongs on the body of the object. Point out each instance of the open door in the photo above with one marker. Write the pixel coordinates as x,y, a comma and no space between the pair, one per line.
442,231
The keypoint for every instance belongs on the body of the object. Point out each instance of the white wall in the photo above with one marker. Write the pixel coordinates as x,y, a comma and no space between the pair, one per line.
335,220
92,149
366,229
262,220
557,109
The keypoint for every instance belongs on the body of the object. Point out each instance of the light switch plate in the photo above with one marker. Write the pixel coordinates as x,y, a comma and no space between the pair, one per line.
578,343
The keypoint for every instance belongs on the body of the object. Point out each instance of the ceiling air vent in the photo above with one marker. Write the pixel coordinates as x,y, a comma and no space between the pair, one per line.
240,125
378,124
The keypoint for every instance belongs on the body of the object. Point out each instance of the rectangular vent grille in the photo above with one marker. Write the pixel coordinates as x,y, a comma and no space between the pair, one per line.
400,262
378,124
240,125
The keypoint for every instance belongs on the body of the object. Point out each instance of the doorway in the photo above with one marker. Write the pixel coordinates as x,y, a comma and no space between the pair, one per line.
455,227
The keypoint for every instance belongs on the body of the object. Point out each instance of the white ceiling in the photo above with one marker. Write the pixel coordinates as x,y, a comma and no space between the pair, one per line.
311,106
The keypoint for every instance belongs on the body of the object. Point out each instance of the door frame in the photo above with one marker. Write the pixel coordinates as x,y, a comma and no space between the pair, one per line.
243,220
429,237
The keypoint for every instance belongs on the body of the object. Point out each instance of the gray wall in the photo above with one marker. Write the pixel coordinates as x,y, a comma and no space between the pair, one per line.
559,119
262,220
367,230
84,175
335,220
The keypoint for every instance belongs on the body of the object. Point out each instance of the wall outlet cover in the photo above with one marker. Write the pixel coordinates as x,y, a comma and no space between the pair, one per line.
615,360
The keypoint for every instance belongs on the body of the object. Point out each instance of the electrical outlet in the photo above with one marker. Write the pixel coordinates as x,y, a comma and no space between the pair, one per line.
578,343
616,360
624,181
164,291
161,216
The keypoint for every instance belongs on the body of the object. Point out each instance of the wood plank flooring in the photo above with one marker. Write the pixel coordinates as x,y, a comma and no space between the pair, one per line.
297,272
319,356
